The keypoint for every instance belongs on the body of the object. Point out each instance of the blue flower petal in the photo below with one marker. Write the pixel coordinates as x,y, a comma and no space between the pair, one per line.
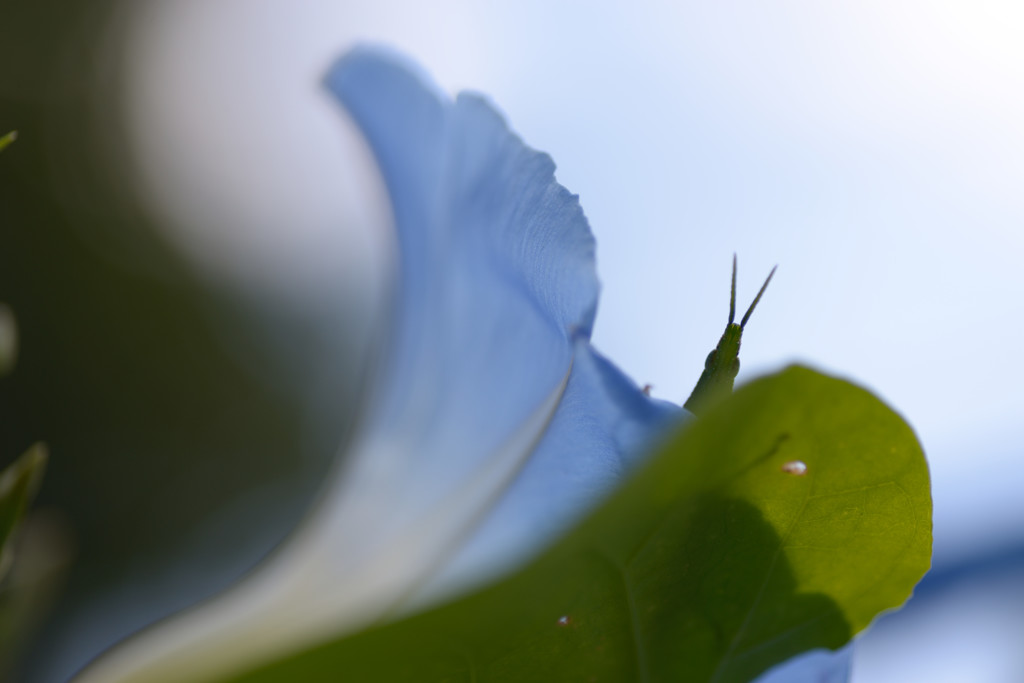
496,273
816,666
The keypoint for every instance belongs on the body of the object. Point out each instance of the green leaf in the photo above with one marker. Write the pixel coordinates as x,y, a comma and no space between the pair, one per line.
715,562
34,552
41,557
7,139
18,485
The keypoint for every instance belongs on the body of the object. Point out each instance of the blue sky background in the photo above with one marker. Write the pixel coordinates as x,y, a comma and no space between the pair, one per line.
874,150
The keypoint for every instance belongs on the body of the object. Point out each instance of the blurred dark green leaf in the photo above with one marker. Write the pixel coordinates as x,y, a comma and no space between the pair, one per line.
19,483
32,553
42,553
7,139
717,561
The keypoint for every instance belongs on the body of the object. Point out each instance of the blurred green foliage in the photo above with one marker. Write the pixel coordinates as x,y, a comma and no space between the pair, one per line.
29,560
784,520
19,483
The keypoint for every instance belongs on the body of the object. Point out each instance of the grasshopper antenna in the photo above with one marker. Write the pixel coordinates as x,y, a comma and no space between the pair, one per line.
756,298
732,296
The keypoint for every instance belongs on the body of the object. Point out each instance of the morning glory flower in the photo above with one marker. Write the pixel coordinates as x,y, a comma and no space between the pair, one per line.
491,424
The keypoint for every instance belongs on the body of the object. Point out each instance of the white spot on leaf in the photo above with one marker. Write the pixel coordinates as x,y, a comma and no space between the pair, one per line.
796,467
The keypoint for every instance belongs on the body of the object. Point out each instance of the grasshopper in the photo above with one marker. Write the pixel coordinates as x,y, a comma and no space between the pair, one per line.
723,363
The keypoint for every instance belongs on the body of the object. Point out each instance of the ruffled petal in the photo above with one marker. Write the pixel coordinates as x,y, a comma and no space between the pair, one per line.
495,280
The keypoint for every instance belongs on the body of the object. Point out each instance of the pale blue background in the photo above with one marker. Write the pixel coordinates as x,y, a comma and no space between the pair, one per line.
874,150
